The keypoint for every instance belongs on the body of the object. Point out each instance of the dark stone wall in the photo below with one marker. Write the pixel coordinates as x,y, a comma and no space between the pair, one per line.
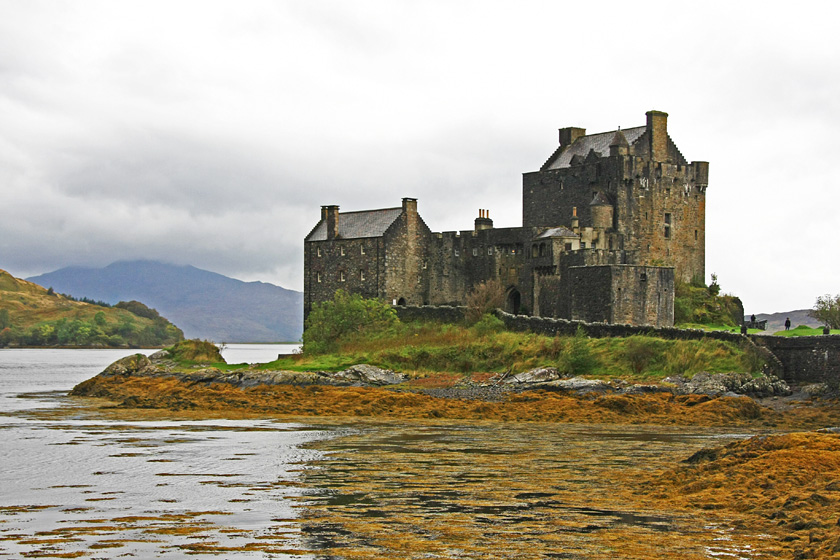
439,314
354,265
806,359
407,244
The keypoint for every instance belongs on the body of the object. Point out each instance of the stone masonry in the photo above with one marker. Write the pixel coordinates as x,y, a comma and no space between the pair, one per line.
609,222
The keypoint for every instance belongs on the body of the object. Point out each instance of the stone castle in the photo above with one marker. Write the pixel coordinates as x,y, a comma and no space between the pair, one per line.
609,223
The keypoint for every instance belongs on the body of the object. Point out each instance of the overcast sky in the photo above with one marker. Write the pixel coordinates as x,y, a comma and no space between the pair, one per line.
210,133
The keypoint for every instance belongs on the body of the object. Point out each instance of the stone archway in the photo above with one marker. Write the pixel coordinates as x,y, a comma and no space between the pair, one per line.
513,301
401,302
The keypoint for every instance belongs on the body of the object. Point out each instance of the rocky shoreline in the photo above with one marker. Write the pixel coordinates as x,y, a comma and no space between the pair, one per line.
495,388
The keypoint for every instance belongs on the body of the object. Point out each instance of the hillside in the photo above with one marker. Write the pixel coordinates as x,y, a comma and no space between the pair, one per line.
776,321
204,304
31,315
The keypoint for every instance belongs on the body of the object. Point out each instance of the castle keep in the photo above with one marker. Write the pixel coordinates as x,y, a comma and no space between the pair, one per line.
609,223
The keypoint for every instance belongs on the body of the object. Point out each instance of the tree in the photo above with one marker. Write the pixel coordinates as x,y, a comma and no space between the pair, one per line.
827,311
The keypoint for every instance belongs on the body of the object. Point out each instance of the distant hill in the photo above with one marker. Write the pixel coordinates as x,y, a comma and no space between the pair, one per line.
31,315
776,321
203,304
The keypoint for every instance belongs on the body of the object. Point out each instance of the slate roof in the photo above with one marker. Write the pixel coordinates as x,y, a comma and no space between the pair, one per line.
355,225
556,232
598,142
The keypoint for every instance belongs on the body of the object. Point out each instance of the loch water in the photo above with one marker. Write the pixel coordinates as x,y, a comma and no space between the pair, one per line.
105,486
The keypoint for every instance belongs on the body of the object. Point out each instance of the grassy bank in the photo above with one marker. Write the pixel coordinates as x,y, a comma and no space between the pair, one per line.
419,349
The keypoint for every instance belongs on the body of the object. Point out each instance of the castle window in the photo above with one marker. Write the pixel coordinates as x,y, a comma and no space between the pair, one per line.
362,249
695,235
425,264
362,275
457,253
475,252
318,277
342,251
318,251
567,246
534,251
667,232
489,250
667,191
583,244
667,217
643,277
342,277
667,225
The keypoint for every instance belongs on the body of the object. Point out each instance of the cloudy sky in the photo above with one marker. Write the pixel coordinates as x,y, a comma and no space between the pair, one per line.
211,132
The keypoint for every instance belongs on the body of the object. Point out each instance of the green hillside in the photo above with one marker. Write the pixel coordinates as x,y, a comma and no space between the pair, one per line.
31,315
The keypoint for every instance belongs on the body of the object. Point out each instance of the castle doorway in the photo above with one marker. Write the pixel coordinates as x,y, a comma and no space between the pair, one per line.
513,301
401,302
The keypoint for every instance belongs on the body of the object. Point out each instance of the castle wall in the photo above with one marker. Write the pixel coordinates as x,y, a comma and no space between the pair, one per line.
353,265
407,243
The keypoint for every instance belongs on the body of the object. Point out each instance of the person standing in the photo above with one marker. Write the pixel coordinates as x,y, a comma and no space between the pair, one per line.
787,324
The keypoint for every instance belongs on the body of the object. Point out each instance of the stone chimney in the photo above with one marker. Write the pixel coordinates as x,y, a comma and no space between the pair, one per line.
569,134
409,205
575,221
330,215
657,131
483,221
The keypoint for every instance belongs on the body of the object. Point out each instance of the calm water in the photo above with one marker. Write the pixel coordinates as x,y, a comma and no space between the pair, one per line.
139,488
73,482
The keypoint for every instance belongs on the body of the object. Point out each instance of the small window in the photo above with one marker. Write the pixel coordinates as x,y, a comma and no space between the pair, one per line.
457,253
342,277
362,249
667,191
567,246
475,252
667,217
342,251
318,277
318,250
643,277
667,232
362,275
583,244
695,235
425,264
489,250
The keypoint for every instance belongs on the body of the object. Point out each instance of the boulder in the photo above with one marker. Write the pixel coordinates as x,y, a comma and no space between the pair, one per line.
536,375
136,364
369,375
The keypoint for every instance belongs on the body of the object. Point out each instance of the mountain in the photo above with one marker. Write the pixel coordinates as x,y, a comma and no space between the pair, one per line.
31,315
203,304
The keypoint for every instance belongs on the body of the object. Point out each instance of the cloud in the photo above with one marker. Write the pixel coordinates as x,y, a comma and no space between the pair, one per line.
210,133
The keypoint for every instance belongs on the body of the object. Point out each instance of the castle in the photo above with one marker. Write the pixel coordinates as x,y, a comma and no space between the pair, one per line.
609,223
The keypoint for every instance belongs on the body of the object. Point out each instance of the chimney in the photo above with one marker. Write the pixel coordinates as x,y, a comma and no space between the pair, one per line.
409,205
330,215
657,131
575,221
569,134
483,221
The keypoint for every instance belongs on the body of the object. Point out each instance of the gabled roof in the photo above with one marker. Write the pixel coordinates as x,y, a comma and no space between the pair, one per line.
355,225
557,232
600,143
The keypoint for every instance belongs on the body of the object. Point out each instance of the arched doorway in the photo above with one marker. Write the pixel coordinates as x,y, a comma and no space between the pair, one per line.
401,302
513,301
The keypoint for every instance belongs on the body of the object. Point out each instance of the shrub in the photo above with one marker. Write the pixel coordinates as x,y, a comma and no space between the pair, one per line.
579,360
488,324
194,350
640,352
483,299
331,322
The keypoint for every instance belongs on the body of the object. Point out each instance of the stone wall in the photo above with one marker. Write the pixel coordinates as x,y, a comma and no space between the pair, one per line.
432,313
806,359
